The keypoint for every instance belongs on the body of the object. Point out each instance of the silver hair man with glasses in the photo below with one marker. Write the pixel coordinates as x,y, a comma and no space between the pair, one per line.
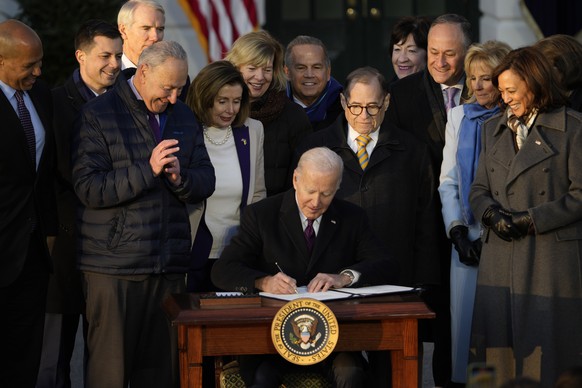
386,171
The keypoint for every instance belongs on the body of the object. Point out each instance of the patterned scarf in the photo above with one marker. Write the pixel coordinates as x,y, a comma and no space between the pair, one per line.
468,150
520,126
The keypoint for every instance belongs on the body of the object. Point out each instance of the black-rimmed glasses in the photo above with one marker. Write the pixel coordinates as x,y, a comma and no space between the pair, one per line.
357,110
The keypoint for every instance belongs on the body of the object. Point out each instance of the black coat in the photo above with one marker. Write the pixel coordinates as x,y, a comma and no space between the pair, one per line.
285,127
417,106
396,190
65,294
26,193
271,232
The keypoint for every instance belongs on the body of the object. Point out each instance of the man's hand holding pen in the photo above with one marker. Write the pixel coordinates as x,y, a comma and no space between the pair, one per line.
277,284
280,283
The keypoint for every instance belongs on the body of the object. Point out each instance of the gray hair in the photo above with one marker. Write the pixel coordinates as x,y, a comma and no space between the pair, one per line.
464,25
305,39
365,75
322,160
125,15
159,52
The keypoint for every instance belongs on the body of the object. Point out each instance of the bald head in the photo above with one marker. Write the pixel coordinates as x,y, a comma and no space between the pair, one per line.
20,55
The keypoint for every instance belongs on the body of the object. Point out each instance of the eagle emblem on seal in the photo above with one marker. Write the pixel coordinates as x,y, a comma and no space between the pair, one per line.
305,330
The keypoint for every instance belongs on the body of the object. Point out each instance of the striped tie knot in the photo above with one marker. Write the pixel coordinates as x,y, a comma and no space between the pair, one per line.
362,154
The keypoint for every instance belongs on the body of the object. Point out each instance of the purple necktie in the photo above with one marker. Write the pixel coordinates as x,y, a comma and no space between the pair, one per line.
26,122
451,93
155,126
309,235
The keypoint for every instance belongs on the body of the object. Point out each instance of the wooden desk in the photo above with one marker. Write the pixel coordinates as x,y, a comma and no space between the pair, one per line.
387,322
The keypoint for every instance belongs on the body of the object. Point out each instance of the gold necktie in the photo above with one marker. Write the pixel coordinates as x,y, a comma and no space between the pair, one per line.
362,154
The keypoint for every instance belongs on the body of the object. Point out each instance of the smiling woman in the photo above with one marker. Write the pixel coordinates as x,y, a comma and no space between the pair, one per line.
460,157
408,45
220,98
527,194
259,57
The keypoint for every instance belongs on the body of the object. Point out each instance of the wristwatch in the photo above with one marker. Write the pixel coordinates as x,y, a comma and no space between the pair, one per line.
350,275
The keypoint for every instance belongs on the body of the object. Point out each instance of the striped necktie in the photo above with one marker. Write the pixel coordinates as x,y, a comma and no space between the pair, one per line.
25,120
362,154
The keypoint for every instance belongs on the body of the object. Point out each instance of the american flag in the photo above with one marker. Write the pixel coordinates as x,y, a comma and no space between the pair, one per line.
219,22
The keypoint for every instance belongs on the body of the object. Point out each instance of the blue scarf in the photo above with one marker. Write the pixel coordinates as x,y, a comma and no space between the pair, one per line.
318,110
468,150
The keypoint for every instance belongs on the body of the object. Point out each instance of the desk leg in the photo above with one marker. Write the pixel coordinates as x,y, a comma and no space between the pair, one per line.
405,362
190,347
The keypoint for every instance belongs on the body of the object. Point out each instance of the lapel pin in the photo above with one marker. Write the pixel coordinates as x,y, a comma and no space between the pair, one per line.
244,141
538,142
333,222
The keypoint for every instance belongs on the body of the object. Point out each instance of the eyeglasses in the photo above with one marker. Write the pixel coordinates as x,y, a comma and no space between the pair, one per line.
357,110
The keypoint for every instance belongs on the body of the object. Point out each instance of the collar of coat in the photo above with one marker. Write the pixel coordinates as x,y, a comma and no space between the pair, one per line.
388,136
555,119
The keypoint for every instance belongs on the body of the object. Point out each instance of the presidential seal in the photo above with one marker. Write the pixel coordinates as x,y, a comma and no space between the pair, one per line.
304,331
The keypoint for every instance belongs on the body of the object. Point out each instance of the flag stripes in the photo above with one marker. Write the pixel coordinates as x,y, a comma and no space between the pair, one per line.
218,23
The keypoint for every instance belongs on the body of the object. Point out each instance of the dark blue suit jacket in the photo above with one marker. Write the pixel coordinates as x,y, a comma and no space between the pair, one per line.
25,193
271,232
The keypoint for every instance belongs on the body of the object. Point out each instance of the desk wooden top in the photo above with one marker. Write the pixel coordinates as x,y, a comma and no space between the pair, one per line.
184,309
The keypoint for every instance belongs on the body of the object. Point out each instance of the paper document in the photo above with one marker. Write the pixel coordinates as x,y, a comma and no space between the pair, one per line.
339,293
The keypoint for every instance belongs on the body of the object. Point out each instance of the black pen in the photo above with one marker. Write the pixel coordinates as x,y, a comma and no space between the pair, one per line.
280,270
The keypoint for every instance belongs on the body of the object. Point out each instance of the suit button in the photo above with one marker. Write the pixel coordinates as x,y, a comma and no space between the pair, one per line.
542,192
492,169
496,192
545,169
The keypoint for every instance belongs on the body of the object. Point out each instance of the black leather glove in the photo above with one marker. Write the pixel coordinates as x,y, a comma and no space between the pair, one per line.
523,222
499,220
468,251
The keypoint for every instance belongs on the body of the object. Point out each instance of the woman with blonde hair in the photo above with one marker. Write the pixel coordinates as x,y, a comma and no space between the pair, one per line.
259,57
460,158
220,99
